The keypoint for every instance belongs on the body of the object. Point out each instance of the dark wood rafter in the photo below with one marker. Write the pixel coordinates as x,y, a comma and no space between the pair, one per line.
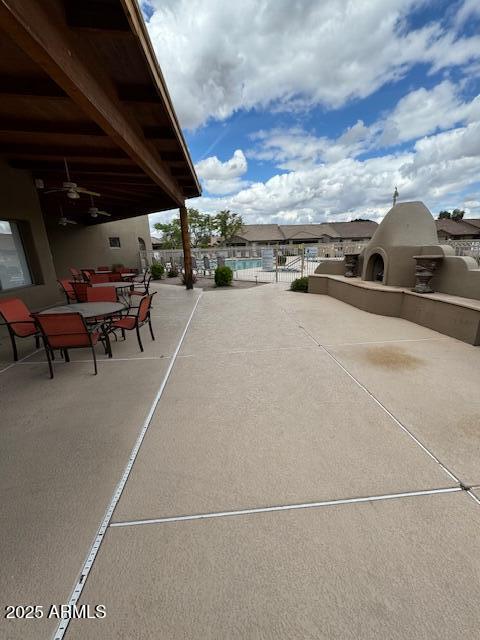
63,59
66,91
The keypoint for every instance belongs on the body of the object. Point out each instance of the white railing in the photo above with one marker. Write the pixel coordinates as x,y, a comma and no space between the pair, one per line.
466,248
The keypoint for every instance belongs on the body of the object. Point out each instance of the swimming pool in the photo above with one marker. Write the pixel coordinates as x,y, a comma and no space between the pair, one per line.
237,264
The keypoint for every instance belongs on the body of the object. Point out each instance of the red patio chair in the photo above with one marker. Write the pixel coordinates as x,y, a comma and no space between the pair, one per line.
80,289
103,268
101,294
135,321
76,273
66,331
97,278
67,289
87,274
20,324
114,277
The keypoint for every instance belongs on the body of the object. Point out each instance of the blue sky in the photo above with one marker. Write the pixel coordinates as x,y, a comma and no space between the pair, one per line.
314,111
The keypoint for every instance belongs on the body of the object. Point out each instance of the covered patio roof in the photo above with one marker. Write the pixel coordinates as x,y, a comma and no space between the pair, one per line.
79,81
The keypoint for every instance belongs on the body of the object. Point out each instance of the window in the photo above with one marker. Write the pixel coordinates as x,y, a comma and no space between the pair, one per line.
114,243
14,271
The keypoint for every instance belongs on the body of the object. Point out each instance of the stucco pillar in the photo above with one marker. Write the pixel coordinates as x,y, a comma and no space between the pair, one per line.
187,255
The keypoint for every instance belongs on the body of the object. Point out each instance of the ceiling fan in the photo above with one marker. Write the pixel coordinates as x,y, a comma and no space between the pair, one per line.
63,221
71,189
95,211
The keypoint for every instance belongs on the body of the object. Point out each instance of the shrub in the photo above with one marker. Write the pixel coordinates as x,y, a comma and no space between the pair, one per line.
157,270
194,279
223,276
173,272
300,284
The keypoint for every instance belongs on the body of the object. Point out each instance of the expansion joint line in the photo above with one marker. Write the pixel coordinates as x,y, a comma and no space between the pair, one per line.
77,591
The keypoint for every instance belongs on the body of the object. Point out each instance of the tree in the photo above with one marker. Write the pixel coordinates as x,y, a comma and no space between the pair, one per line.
201,227
457,214
228,224
444,215
171,233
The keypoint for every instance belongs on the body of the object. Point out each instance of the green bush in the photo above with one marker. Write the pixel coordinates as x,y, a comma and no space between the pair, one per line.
173,271
223,276
300,284
157,270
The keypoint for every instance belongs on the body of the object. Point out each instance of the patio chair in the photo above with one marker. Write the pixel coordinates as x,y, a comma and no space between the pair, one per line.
87,274
103,268
97,278
20,324
66,331
135,321
80,289
141,287
101,294
114,277
66,287
76,273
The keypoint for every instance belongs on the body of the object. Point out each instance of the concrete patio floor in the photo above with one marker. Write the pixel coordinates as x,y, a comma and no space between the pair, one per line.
262,501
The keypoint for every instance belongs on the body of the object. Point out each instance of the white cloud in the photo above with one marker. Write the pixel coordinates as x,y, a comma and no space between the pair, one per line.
223,177
437,171
220,56
423,111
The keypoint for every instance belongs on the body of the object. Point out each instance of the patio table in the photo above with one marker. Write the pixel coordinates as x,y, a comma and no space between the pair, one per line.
89,309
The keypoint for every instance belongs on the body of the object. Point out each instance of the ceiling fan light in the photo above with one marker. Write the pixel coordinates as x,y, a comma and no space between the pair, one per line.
72,194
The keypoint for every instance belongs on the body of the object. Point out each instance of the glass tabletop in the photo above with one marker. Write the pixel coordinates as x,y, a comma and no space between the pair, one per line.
117,285
89,309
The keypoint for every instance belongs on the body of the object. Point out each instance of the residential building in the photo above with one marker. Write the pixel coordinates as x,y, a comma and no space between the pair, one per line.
357,231
466,229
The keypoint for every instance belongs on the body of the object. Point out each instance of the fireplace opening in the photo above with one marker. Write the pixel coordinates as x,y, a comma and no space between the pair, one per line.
375,268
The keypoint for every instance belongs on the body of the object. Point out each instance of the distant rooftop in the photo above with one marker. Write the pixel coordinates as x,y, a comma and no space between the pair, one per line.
356,229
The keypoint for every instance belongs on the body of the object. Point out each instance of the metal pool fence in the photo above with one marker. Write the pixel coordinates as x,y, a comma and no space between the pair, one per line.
282,263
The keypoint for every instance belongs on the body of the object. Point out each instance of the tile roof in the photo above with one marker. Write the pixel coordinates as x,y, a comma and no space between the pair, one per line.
333,230
461,228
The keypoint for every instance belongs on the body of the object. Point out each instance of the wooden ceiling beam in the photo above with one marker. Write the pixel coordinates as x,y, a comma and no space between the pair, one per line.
65,59
37,86
16,149
46,127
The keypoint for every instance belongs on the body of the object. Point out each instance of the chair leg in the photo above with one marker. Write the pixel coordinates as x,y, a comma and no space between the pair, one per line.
47,352
108,346
37,342
94,360
66,355
14,347
150,327
138,338
123,334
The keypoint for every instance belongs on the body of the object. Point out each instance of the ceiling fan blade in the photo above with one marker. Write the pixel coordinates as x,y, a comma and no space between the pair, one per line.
89,193
105,213
54,190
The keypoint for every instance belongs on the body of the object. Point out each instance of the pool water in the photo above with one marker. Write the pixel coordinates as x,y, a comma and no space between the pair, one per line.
237,264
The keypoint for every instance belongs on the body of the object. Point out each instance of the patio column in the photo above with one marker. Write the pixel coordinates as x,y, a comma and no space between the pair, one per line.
187,255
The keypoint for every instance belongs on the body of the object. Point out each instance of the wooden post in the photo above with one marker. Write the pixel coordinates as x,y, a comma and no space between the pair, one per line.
187,255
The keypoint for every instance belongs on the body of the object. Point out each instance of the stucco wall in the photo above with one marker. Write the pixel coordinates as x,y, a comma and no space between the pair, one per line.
19,201
85,247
